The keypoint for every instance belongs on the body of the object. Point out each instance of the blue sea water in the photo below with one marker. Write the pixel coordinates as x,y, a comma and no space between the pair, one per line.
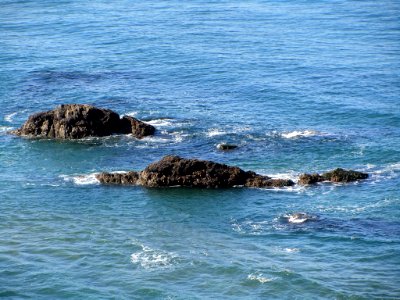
300,86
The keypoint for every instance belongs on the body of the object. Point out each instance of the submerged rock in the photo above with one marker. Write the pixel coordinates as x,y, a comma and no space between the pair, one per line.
299,218
226,146
337,175
177,171
75,121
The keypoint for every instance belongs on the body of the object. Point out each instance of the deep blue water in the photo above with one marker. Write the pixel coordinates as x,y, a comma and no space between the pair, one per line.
300,86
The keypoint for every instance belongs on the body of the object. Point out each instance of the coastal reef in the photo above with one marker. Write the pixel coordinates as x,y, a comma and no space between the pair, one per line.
76,121
177,171
173,171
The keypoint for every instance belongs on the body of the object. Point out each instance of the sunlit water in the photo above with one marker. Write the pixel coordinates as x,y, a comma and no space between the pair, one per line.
299,86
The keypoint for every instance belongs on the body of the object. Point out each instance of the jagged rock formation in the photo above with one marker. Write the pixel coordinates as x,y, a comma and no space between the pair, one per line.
177,171
337,175
75,121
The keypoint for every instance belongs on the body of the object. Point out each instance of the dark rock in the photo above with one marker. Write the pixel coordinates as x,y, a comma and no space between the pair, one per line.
177,171
173,171
75,121
129,178
226,147
337,175
306,179
341,175
260,181
138,128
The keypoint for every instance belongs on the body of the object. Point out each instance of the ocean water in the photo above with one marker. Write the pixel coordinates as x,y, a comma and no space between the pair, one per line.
299,86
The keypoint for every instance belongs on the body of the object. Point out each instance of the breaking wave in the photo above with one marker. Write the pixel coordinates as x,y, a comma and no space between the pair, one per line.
87,179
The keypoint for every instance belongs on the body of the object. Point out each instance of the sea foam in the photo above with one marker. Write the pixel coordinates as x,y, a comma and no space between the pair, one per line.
86,179
260,278
149,258
9,117
5,128
304,133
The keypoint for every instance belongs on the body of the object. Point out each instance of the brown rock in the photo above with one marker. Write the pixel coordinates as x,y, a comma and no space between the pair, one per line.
129,178
173,170
341,175
75,121
337,175
138,128
265,182
177,171
306,179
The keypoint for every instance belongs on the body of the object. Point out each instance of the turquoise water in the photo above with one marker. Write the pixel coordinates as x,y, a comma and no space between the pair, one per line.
300,86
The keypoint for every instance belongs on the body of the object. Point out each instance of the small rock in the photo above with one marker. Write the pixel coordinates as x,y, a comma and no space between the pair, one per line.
129,178
337,175
226,146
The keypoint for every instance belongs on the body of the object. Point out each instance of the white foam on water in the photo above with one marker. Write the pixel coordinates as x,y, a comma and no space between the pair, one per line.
5,128
160,122
292,175
260,278
155,139
149,258
380,173
132,114
250,227
87,179
359,208
9,117
304,133
291,250
299,218
215,132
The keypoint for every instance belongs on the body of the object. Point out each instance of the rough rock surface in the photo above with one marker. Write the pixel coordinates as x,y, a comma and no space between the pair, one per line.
337,175
129,178
341,175
177,171
306,179
75,121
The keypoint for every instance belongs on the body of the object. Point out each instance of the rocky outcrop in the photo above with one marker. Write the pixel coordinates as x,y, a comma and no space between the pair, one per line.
337,175
75,121
177,171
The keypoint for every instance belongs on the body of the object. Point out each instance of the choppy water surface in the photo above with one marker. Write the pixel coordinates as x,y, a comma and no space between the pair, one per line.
298,85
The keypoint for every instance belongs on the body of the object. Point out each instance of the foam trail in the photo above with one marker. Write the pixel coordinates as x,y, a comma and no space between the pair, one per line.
160,122
259,277
149,258
131,114
9,117
304,133
215,132
5,128
87,179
